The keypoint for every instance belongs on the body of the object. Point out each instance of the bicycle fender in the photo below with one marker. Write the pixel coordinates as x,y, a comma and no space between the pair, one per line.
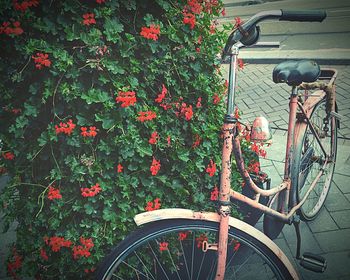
178,213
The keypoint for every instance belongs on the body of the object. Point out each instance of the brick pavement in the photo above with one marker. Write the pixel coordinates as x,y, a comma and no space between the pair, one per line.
329,234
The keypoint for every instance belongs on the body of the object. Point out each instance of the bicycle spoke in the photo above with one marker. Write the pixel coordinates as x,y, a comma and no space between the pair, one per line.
143,264
185,258
200,267
172,261
157,260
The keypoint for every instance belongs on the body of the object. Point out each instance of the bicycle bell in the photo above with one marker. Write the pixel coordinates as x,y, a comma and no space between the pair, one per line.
260,130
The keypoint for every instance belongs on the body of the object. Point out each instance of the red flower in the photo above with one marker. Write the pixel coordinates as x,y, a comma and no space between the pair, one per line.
127,98
8,156
199,102
238,22
210,4
186,111
168,139
43,254
53,193
24,5
86,270
66,128
216,98
84,249
197,141
200,240
154,138
212,29
214,194
254,167
16,111
155,166
194,6
211,168
100,1
87,243
161,96
41,59
56,243
146,116
237,113
258,149
182,235
150,206
91,133
163,246
119,168
90,192
236,246
89,18
15,264
189,19
223,12
14,30
151,32
240,63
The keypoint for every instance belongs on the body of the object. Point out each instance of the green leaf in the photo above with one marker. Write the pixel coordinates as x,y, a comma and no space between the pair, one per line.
106,122
95,96
113,66
144,150
184,155
112,29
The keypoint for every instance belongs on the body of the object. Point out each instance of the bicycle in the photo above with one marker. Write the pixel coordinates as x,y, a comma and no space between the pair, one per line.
184,244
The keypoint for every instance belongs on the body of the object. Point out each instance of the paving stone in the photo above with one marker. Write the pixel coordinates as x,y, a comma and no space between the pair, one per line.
308,241
334,241
338,265
323,222
337,202
343,182
341,218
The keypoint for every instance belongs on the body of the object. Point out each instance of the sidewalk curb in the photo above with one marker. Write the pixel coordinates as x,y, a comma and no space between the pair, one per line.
323,56
275,60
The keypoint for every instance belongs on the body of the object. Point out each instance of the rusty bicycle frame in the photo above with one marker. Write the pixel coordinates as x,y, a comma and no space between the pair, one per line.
231,146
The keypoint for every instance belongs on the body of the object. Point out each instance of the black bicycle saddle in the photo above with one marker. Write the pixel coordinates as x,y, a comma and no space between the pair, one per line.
294,72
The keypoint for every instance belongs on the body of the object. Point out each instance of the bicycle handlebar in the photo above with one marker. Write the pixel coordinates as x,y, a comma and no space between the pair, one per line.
248,33
303,15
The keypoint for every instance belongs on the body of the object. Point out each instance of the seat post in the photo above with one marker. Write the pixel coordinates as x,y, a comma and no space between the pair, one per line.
293,105
232,82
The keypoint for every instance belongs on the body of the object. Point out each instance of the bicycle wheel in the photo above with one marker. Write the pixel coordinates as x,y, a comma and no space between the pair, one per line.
309,160
172,249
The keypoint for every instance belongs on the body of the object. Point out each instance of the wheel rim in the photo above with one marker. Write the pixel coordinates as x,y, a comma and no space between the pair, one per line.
185,259
312,160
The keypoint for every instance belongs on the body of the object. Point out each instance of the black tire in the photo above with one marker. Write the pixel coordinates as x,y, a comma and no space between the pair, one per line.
308,160
139,255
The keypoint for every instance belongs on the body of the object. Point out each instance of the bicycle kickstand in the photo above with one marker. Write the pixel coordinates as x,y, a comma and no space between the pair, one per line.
309,261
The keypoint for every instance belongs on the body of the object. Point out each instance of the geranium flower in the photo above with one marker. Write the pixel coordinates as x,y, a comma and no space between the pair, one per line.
89,18
53,193
126,99
146,116
155,166
151,32
211,168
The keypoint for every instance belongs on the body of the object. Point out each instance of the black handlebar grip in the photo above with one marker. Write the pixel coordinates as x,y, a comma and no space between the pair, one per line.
303,15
